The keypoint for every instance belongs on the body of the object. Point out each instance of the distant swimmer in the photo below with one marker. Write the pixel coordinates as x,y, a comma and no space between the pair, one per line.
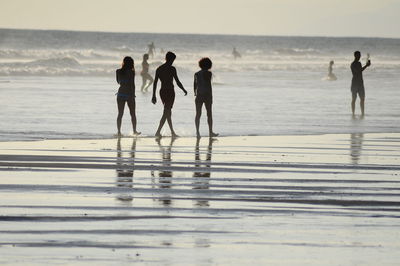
152,49
331,76
166,73
203,92
145,74
357,82
236,54
126,92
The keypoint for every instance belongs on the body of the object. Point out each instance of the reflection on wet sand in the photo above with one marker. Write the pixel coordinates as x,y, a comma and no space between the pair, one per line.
165,176
124,175
356,140
201,178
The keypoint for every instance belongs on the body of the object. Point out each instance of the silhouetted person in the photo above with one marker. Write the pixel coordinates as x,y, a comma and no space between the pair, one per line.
126,92
125,171
357,82
203,92
145,73
166,73
202,178
165,176
331,76
236,54
152,49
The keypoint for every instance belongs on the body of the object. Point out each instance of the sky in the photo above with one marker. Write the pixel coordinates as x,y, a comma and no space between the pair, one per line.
366,18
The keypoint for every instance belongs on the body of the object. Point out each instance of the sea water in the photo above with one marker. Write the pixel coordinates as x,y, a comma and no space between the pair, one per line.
61,84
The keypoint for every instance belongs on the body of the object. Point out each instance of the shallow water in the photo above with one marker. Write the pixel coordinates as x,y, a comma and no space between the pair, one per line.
58,84
230,201
244,104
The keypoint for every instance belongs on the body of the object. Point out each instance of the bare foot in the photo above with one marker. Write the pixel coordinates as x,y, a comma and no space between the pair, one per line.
212,134
137,133
174,135
158,135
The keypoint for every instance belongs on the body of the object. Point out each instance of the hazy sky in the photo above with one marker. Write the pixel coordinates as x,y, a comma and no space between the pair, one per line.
379,18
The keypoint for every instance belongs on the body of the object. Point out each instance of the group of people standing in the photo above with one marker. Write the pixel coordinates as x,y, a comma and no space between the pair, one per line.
166,73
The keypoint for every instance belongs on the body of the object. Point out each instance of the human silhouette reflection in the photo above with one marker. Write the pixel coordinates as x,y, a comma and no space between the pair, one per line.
356,140
125,171
165,176
201,178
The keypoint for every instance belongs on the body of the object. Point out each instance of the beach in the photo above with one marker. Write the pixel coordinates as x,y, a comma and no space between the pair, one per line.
292,179
62,84
329,199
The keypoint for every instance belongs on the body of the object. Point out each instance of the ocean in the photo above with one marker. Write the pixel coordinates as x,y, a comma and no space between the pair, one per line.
61,84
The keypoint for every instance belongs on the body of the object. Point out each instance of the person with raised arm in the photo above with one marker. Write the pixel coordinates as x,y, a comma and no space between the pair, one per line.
357,82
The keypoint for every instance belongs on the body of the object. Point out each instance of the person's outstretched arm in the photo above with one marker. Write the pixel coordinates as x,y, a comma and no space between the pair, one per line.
178,82
154,98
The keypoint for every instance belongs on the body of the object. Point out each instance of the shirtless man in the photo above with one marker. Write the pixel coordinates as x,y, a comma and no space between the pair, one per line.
166,73
357,82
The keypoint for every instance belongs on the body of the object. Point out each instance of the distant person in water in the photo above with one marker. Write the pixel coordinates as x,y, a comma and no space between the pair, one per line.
357,82
236,54
331,76
166,73
126,92
203,92
152,49
145,74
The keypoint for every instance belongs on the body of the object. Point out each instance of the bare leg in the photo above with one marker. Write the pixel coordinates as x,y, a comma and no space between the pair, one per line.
144,80
162,121
132,107
210,119
169,120
199,105
353,104
150,79
121,106
362,101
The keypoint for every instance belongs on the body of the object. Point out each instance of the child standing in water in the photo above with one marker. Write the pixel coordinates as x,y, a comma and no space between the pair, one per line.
331,76
203,92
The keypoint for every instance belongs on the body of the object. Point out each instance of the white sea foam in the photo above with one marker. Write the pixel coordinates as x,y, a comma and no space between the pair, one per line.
59,53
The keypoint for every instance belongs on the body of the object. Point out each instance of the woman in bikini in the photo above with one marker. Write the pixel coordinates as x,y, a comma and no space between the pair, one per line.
126,92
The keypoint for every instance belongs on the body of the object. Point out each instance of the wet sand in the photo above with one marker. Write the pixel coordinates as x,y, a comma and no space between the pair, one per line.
275,200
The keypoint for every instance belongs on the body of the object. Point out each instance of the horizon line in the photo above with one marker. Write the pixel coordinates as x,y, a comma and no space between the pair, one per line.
210,34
